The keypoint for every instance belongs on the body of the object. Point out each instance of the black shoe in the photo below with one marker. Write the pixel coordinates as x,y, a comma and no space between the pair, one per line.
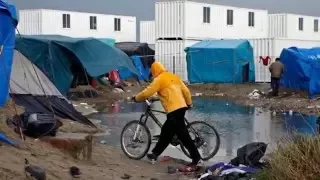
152,157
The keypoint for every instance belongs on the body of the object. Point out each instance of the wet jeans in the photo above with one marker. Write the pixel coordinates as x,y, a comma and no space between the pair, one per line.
175,125
275,85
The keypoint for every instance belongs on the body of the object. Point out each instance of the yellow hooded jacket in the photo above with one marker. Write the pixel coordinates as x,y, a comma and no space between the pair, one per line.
173,93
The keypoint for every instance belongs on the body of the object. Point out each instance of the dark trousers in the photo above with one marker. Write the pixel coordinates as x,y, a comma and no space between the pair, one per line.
175,125
275,85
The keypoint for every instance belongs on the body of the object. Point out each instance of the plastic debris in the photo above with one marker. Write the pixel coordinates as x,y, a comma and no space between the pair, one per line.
74,172
34,172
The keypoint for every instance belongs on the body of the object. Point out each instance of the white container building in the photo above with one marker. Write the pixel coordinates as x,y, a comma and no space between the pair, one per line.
77,24
294,26
171,53
187,20
147,32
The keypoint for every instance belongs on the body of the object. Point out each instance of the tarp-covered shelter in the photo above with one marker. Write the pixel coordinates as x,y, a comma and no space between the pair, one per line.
143,72
302,69
8,24
138,49
108,41
30,88
220,61
57,56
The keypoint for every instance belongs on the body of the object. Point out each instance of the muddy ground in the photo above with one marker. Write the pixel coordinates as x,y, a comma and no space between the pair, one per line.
105,162
287,100
109,162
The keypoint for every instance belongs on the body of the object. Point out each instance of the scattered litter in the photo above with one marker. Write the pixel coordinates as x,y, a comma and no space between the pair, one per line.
318,106
290,112
310,107
86,107
198,94
74,172
219,94
126,176
128,91
84,104
128,98
34,172
172,170
255,94
117,90
74,105
103,142
251,104
227,104
274,113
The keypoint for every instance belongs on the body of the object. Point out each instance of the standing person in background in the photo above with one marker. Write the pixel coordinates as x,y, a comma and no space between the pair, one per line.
276,69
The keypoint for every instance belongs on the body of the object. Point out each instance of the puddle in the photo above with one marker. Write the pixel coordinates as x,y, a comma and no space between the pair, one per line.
236,124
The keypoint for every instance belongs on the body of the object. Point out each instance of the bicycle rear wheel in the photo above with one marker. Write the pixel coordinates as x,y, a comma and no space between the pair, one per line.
130,146
204,135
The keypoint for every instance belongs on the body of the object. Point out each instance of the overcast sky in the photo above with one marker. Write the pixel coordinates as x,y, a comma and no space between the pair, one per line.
144,9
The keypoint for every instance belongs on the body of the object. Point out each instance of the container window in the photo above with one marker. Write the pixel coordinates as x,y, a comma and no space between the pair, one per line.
229,17
93,22
251,19
316,25
206,14
117,24
300,24
66,20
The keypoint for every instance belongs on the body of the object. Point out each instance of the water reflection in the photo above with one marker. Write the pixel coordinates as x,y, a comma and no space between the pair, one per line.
236,124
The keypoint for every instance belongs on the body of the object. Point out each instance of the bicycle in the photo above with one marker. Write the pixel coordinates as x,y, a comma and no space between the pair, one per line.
141,125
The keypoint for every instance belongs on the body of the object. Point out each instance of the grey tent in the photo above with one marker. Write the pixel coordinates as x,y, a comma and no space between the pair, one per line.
30,88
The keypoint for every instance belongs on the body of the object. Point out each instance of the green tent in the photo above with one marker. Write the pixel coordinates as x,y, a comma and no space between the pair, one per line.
56,55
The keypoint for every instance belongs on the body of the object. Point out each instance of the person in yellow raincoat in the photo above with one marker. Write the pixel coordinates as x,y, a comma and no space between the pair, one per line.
175,97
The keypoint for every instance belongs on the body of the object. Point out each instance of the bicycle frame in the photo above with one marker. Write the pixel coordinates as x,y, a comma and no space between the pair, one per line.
149,113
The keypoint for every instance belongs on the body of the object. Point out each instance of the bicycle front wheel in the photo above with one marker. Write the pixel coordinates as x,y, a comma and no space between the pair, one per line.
135,140
206,139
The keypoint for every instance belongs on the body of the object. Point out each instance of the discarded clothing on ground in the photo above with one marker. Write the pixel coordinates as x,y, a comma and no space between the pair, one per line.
231,176
243,167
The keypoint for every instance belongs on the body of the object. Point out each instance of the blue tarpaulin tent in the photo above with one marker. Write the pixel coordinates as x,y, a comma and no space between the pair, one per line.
143,72
220,61
56,55
300,123
302,69
8,23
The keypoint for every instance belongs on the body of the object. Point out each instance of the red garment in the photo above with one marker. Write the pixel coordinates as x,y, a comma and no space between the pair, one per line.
93,83
114,76
265,61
